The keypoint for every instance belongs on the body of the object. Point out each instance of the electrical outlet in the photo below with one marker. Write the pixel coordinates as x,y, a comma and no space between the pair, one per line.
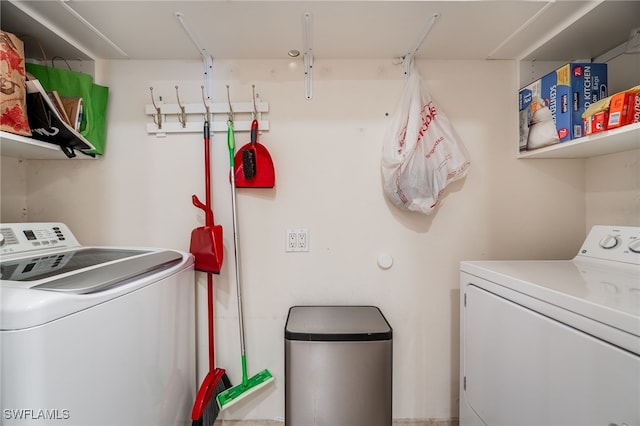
292,240
303,239
297,239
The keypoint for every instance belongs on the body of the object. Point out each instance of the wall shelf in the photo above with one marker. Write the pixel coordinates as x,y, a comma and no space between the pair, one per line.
596,32
17,146
611,141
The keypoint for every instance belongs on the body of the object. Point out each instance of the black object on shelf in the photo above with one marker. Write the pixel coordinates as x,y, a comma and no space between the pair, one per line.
47,125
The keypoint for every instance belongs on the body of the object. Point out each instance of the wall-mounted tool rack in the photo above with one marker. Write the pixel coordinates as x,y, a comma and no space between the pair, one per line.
170,117
190,118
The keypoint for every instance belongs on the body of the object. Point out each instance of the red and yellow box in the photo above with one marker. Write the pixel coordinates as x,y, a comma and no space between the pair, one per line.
596,123
615,111
633,106
618,110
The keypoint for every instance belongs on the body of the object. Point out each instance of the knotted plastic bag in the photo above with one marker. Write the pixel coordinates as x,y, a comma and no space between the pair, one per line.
542,128
421,153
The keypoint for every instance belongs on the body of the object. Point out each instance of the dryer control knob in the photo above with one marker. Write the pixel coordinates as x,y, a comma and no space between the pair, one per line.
634,246
609,242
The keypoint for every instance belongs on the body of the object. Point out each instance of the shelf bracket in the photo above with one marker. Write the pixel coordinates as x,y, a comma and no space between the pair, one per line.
408,58
207,59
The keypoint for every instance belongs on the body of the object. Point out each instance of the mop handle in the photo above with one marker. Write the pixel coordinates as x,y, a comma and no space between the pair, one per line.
231,145
212,364
207,172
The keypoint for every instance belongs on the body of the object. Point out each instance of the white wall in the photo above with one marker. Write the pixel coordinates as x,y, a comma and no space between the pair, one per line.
613,181
613,189
327,155
13,179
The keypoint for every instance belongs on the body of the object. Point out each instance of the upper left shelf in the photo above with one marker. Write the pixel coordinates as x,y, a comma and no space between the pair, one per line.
16,18
31,149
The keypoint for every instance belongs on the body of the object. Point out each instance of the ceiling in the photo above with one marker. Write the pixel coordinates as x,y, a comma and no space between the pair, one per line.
357,29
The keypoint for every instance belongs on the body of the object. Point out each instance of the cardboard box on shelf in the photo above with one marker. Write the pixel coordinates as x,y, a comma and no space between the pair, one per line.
624,108
568,92
618,110
596,123
633,102
596,117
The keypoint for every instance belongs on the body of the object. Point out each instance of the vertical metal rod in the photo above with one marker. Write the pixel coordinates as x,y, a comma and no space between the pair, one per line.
236,247
231,143
307,47
236,239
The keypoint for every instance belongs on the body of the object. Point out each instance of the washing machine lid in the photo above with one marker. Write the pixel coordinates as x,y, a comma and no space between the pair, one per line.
85,270
51,264
113,274
46,274
30,303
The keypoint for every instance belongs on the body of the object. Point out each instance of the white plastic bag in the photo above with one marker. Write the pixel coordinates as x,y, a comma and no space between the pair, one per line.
421,154
542,128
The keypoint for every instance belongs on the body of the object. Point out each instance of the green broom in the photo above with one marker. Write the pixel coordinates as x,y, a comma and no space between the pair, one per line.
249,385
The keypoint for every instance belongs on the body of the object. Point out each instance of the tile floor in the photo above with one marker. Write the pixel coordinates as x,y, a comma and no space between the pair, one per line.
426,422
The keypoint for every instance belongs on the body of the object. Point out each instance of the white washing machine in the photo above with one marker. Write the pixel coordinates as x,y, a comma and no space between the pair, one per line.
93,335
554,343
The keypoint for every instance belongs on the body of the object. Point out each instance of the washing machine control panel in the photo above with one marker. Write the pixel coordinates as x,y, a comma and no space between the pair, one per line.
615,243
27,237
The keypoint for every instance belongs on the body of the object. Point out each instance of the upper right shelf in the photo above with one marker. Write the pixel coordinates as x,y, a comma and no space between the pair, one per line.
596,31
617,140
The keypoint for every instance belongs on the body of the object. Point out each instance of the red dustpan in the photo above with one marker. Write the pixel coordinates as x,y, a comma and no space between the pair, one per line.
206,241
254,166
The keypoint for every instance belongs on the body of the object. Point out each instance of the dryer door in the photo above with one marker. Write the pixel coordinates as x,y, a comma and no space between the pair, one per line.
524,368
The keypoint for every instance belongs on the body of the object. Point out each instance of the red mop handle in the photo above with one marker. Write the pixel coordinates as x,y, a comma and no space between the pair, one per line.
210,320
207,174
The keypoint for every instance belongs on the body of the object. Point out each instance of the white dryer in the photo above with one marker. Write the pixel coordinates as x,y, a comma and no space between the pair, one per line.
93,335
554,342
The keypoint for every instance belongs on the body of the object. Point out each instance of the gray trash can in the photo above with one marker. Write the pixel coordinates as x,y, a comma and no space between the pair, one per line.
338,366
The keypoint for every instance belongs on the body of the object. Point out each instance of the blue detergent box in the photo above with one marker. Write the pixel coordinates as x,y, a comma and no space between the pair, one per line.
568,92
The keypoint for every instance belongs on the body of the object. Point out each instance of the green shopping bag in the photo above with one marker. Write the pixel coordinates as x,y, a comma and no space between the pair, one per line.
94,97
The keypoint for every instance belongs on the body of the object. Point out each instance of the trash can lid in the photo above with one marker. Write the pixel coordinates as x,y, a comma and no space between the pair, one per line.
337,323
